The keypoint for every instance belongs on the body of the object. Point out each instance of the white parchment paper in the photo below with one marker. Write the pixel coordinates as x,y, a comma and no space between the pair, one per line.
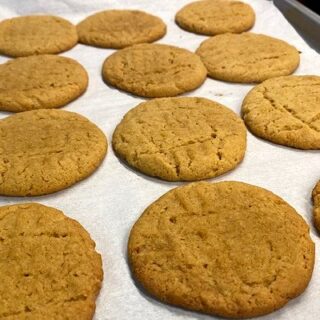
109,202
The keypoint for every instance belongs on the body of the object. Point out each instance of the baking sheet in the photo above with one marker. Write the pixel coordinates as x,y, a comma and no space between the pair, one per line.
108,203
306,21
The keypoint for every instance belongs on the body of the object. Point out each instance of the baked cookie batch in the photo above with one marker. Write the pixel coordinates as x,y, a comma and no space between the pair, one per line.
229,248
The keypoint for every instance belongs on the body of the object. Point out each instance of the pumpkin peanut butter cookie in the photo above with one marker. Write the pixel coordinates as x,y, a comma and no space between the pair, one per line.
120,28
49,268
44,151
40,82
154,70
211,17
229,249
31,35
181,138
247,57
316,204
285,110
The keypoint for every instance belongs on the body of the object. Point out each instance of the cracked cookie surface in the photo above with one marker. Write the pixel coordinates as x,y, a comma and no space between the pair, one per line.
44,151
40,82
154,70
215,17
229,249
49,268
120,28
32,35
286,111
247,57
181,138
316,205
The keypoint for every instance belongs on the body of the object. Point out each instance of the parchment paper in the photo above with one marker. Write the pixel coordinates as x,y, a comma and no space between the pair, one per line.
109,202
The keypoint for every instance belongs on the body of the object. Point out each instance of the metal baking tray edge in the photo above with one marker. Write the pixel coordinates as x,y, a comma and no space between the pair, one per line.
303,19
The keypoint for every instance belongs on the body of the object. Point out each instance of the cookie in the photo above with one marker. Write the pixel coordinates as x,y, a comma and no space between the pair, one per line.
31,35
211,17
316,205
44,151
285,110
180,139
154,70
229,249
247,57
40,82
49,268
120,28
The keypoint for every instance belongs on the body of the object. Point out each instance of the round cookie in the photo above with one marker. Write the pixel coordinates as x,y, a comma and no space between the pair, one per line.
316,205
210,17
48,263
181,139
229,249
285,110
44,151
154,70
31,35
120,28
247,57
40,82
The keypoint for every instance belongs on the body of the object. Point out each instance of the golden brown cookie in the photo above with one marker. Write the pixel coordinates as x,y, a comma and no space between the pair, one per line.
211,17
181,138
40,82
229,249
120,28
31,35
154,70
247,57
316,205
44,151
285,110
49,268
